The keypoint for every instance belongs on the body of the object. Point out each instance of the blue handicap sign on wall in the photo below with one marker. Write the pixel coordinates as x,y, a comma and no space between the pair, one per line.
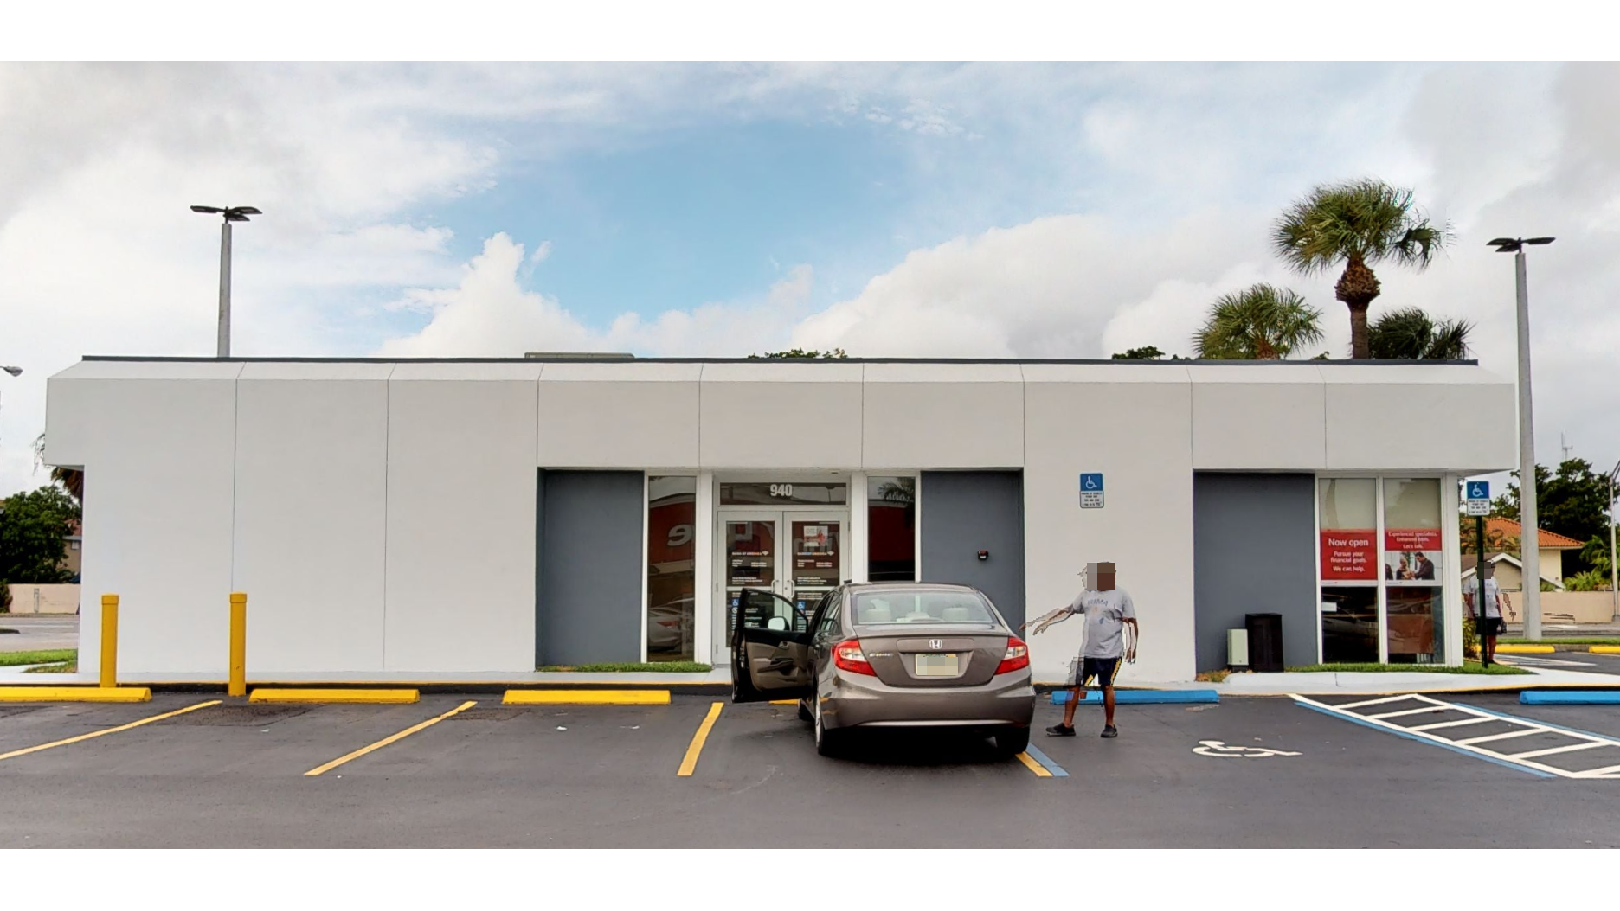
1091,483
1479,490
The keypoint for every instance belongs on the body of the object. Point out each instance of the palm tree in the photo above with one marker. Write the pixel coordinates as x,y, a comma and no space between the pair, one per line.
71,479
1360,223
1261,322
1411,334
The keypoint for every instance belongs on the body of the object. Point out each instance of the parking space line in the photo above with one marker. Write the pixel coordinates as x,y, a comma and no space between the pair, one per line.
1470,741
1569,749
1050,768
695,748
1030,763
1448,724
321,769
112,730
1427,708
1380,701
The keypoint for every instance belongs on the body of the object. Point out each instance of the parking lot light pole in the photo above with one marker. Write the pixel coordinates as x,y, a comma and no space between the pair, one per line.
1529,537
229,214
1614,559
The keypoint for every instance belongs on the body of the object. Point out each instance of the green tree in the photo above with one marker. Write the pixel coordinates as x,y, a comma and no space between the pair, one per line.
1573,502
799,353
33,535
1261,322
1411,334
1145,353
1358,223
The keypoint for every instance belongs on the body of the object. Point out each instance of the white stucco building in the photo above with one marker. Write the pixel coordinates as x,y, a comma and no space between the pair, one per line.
427,517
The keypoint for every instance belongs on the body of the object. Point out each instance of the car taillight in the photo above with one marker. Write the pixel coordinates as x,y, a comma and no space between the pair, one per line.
847,655
1017,656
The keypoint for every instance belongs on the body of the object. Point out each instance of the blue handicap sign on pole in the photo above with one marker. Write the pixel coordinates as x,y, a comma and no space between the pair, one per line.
1091,483
1479,490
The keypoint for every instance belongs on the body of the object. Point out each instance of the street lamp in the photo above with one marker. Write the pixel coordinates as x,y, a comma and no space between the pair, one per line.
1614,559
1529,536
229,214
14,371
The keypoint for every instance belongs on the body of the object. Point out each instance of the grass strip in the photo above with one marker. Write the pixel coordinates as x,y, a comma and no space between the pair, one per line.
43,656
70,667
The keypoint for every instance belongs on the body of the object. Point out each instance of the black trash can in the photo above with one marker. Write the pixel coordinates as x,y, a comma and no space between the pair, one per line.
1265,642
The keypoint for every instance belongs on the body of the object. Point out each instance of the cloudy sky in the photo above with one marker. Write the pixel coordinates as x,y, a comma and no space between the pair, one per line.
983,210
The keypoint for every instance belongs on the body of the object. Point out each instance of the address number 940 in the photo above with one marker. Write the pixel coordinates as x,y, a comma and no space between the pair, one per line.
781,490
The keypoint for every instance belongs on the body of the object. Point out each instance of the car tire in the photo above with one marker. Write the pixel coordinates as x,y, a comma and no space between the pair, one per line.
827,742
1011,743
804,711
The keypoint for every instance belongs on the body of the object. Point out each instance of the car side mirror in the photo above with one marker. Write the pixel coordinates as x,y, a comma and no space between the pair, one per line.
778,624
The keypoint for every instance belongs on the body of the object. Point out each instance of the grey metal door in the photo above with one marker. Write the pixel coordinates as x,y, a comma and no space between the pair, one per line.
965,513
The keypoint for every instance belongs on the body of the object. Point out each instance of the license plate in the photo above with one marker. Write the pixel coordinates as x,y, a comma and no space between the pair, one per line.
938,666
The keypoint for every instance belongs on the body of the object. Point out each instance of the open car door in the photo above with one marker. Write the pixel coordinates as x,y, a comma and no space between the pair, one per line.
770,649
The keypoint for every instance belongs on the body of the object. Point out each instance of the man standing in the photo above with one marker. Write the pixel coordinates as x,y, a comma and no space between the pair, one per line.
1107,610
1488,624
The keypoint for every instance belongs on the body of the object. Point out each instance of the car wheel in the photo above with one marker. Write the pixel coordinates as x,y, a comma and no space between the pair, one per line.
1011,743
826,741
804,711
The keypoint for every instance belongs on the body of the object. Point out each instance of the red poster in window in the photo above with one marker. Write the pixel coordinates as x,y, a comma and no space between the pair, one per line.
1411,539
1349,555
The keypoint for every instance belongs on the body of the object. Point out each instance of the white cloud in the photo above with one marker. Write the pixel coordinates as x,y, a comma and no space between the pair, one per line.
541,253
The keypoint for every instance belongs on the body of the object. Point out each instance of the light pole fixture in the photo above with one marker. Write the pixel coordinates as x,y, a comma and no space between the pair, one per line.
1529,536
1614,559
14,371
229,214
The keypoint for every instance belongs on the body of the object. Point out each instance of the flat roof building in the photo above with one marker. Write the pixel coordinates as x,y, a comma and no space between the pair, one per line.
447,516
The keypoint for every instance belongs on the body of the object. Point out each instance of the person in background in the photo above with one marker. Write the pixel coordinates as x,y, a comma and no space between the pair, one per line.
1487,623
1107,610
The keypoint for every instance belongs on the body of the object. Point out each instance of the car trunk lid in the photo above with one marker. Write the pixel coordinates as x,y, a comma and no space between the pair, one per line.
918,656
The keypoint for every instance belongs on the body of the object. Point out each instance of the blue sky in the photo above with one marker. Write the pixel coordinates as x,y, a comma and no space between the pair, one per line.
989,210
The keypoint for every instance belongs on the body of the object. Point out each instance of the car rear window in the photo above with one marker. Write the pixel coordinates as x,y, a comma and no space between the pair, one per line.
933,607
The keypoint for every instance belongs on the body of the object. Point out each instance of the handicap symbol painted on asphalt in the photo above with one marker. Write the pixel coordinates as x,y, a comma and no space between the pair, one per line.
1220,750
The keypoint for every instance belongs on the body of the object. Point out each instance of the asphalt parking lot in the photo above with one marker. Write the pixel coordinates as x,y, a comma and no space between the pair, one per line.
487,775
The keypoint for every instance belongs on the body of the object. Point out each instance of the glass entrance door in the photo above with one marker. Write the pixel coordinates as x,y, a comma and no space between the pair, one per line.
797,554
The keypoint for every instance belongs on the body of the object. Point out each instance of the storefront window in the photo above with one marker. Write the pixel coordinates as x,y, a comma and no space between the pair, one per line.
891,529
1349,552
1413,570
671,545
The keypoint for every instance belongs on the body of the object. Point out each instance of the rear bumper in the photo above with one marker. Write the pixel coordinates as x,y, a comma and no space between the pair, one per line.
857,700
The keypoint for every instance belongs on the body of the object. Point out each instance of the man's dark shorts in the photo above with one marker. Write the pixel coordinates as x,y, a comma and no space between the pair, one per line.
1102,670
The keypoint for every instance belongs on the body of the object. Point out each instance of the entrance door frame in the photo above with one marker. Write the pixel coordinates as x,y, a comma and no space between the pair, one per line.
719,650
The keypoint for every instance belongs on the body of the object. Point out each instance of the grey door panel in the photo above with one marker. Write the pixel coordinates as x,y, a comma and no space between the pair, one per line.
589,591
964,512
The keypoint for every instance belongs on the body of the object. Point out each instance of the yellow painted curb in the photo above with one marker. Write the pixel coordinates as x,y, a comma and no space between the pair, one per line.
337,697
586,697
1604,650
1525,649
75,694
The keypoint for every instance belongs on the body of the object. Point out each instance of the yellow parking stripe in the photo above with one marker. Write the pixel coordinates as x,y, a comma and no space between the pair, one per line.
320,769
104,731
1033,766
696,748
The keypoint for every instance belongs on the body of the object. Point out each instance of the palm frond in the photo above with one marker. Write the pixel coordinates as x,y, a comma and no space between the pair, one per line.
1366,219
1259,322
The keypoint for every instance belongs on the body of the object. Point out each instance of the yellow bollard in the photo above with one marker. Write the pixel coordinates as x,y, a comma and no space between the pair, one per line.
238,681
109,640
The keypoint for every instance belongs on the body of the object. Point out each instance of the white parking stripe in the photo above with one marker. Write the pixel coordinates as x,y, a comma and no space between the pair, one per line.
1510,734
1569,749
1451,724
1577,741
1357,705
1427,708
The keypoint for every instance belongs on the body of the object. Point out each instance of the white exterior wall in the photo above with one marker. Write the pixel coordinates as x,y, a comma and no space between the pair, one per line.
382,516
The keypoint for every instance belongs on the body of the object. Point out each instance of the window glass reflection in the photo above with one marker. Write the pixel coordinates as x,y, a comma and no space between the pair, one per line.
891,529
1350,624
671,545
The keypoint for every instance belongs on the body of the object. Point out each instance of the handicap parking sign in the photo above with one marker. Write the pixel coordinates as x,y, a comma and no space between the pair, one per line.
1091,483
1479,490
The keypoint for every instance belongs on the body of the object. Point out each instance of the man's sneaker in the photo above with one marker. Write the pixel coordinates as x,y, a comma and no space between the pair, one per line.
1058,730
1109,731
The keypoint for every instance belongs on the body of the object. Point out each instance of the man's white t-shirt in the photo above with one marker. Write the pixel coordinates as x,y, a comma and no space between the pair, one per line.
1492,607
1106,613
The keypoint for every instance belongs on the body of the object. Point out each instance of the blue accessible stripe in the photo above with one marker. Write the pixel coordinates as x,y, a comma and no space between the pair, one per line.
1046,762
1142,697
1567,697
